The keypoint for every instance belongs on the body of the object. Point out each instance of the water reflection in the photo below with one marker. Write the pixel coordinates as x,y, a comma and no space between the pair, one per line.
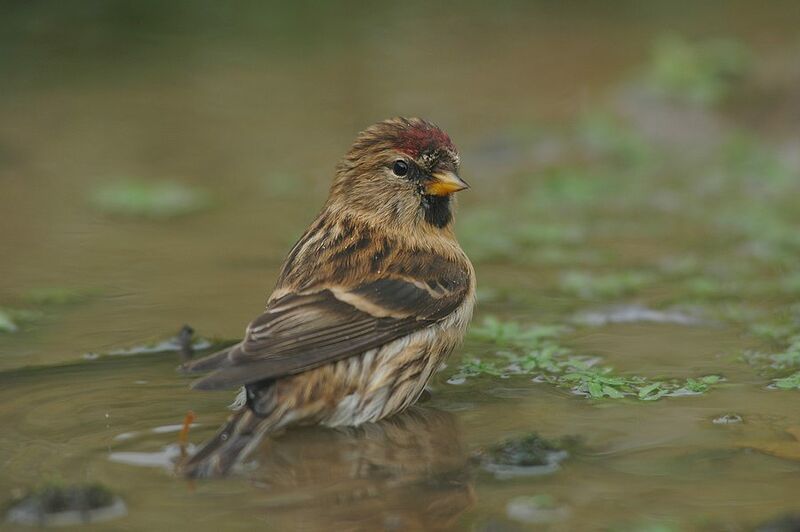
574,171
407,472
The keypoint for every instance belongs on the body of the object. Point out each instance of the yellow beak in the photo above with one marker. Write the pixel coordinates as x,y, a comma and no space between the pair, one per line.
444,184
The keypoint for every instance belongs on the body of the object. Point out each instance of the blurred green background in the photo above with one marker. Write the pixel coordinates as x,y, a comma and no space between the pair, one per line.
239,111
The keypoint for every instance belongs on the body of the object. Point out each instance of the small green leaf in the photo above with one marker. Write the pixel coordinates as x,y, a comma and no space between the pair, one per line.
654,391
57,295
11,319
595,389
613,392
553,363
792,382
7,324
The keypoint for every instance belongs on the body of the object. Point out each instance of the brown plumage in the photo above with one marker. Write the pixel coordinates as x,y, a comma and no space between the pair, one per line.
369,303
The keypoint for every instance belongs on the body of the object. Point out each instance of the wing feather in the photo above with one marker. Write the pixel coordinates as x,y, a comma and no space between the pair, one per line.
301,331
345,288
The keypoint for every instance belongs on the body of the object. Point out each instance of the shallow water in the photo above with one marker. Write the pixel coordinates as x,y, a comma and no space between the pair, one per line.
590,195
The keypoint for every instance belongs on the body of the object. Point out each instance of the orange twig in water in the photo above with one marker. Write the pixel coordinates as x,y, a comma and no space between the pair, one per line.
183,438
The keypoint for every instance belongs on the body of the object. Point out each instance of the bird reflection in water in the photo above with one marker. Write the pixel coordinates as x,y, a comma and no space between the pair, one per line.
408,472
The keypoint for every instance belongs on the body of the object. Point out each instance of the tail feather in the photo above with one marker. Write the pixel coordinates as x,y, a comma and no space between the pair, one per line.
207,363
240,434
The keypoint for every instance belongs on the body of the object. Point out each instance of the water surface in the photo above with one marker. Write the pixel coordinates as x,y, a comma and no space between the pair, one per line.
590,193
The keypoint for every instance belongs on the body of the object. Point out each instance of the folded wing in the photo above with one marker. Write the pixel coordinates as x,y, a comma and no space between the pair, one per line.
301,331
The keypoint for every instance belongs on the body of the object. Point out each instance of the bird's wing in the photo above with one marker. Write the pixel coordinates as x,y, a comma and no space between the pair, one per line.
300,331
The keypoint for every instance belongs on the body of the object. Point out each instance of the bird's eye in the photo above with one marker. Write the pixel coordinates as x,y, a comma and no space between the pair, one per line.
400,168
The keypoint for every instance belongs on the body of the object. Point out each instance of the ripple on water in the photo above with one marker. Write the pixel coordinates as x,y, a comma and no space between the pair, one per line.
164,458
636,314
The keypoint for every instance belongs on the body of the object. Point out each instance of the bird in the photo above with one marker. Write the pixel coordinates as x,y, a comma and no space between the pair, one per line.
368,305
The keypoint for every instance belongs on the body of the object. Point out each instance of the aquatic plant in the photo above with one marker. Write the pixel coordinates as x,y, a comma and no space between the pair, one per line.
787,356
647,526
574,186
57,295
760,167
600,133
511,333
590,285
702,72
790,357
146,199
536,351
12,319
490,235
7,323
792,382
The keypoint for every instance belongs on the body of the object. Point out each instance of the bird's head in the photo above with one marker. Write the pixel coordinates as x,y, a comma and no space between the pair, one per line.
402,171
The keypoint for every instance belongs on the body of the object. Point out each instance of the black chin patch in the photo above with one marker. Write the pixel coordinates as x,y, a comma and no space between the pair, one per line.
437,210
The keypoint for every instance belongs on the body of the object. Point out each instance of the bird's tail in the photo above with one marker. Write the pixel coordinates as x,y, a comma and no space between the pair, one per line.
232,443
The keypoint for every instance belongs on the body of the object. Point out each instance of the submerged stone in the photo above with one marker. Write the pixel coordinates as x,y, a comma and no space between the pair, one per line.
539,509
635,314
185,343
787,523
728,419
56,505
526,456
